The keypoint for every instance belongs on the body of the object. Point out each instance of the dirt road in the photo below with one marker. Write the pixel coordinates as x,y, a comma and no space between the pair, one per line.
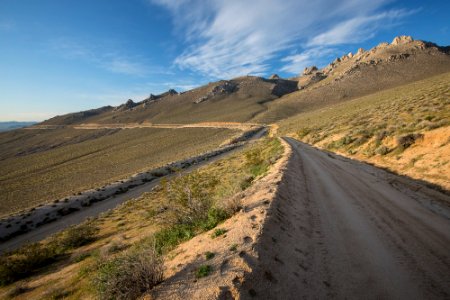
343,229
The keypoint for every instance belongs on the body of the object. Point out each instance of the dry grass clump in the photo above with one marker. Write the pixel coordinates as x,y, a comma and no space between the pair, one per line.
129,275
29,259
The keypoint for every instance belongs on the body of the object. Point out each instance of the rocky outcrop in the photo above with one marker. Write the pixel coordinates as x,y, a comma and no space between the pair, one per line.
307,80
274,77
129,105
401,40
309,70
152,97
283,87
223,88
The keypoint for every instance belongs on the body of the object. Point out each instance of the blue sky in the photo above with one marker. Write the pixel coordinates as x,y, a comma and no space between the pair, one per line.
60,56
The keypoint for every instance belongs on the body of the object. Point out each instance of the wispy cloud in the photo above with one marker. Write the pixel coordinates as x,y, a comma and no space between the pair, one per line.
112,60
357,29
226,38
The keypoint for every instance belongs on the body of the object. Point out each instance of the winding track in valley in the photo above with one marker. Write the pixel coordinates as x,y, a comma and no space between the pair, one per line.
343,229
94,210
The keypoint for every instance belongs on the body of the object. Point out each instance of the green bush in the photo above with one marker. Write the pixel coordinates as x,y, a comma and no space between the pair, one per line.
193,192
167,238
302,132
203,271
218,232
77,236
209,255
25,261
382,150
129,275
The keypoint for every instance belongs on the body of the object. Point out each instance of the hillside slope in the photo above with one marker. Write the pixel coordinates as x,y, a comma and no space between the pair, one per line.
405,129
355,75
235,100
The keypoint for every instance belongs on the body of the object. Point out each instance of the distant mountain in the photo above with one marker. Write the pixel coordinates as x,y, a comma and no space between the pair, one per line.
5,126
261,100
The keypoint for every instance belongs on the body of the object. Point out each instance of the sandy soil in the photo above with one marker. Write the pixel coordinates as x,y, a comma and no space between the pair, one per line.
322,226
234,254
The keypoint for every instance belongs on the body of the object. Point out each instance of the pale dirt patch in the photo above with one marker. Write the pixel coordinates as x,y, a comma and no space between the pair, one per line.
234,254
427,159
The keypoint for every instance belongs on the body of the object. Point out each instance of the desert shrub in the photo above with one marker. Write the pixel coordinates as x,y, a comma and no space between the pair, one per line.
129,275
382,150
304,131
233,247
360,141
203,271
17,290
218,232
167,238
57,293
80,257
209,255
246,182
405,141
76,236
259,159
25,261
193,193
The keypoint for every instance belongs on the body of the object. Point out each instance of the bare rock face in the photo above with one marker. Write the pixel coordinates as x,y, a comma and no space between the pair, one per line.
401,40
152,97
360,51
274,76
312,78
225,87
309,70
126,106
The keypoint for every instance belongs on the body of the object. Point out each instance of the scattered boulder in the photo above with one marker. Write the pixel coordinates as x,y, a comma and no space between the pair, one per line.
152,97
312,78
360,51
126,106
309,70
403,39
224,87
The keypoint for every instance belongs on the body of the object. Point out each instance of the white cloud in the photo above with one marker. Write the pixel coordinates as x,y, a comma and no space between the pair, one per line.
227,38
357,29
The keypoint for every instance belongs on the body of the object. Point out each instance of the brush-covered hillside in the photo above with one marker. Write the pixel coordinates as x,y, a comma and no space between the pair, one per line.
260,100
364,72
237,100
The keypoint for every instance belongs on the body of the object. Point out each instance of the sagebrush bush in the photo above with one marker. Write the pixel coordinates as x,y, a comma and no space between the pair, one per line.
77,236
129,275
193,193
25,261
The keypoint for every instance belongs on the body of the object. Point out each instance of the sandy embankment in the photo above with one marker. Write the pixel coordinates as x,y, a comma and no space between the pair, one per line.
234,254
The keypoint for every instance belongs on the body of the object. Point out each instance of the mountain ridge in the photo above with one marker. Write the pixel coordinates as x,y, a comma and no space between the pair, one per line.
257,99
